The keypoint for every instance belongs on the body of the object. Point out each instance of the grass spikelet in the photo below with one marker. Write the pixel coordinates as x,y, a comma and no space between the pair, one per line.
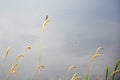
41,47
27,48
40,66
7,51
98,49
44,23
69,69
13,66
75,77
5,66
94,57
19,56
97,54
115,72
12,70
116,67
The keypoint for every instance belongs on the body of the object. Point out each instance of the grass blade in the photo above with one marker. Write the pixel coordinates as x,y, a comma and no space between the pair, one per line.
87,76
116,67
107,72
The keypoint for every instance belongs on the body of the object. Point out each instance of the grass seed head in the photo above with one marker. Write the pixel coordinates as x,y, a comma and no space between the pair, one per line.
13,66
44,23
98,49
75,77
71,68
40,66
114,72
7,51
27,48
12,70
94,57
19,56
96,54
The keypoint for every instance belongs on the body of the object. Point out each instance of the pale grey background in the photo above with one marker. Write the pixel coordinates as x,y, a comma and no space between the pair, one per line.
77,28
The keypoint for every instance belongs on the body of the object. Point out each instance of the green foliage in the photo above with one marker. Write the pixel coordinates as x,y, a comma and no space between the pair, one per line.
107,72
74,76
87,76
116,67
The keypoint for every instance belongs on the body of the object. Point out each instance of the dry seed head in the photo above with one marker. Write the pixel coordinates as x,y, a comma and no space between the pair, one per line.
114,72
94,56
19,56
40,66
46,17
44,23
71,68
98,49
12,70
7,51
27,48
76,77
13,66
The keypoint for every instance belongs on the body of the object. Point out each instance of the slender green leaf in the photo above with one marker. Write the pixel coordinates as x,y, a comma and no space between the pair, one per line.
74,76
116,67
107,72
87,76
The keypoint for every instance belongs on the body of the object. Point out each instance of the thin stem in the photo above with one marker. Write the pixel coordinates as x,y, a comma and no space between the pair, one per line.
33,73
90,69
10,77
5,69
38,74
67,75
40,54
41,47
18,69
